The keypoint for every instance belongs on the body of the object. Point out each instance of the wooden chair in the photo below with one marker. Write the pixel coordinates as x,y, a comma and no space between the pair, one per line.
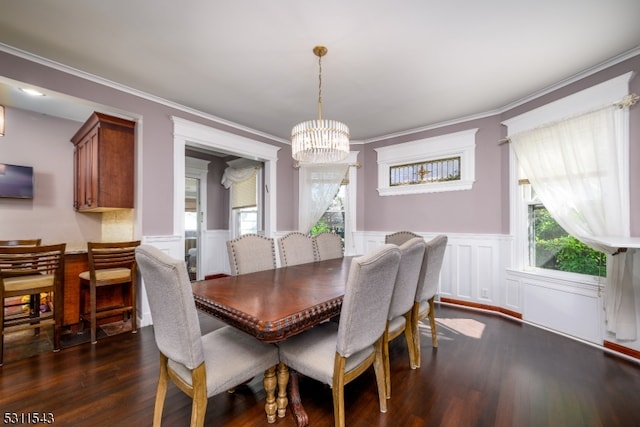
34,300
31,270
110,264
424,304
251,252
400,237
329,246
336,353
404,293
296,248
200,366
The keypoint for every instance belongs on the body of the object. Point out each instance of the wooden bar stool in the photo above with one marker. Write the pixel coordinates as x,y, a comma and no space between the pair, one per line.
110,264
31,270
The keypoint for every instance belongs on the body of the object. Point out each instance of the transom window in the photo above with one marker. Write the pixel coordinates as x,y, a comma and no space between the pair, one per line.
441,163
424,172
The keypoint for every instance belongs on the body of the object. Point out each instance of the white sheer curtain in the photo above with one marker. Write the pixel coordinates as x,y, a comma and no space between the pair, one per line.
573,167
319,184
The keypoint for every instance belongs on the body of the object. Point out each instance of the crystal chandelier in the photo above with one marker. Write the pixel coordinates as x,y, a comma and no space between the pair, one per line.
320,141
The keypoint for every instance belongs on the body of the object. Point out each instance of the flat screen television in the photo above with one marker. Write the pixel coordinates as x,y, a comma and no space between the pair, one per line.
16,181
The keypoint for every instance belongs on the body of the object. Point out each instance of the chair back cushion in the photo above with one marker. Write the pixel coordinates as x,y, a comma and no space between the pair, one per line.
329,246
296,248
173,311
363,317
400,237
251,252
404,292
431,266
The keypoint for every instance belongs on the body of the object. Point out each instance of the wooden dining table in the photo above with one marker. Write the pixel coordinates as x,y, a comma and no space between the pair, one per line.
273,305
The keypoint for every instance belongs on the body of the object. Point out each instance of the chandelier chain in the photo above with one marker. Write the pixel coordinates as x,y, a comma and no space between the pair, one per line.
319,87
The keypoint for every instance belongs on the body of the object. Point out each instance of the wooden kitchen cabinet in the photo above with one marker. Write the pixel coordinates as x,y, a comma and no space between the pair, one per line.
104,164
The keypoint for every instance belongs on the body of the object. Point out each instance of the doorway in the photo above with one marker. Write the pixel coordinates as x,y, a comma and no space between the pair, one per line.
195,201
191,224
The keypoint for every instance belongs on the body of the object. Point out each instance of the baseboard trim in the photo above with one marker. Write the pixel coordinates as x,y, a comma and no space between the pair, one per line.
487,307
622,349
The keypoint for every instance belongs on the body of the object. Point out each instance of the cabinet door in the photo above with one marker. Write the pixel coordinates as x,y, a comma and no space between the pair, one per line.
87,172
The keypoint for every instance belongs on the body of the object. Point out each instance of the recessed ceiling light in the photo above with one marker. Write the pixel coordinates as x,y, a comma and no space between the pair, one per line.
32,92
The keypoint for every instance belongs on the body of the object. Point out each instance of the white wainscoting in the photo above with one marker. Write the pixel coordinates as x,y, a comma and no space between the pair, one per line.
476,269
172,246
570,307
214,252
473,267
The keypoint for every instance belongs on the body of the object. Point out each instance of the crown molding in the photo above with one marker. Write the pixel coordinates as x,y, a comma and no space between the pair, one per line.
129,90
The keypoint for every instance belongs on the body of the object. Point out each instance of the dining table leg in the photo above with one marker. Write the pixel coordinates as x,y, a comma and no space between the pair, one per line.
269,383
302,419
283,380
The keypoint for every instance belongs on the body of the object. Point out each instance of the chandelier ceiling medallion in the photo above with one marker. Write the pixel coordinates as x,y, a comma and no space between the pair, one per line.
320,141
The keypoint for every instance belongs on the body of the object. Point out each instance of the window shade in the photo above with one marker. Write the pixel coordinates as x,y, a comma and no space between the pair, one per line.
244,193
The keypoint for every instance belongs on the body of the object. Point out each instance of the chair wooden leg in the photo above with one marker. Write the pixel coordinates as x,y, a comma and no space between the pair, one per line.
385,361
432,322
161,391
415,318
2,329
283,380
199,404
378,366
408,337
269,383
134,314
92,314
58,316
338,390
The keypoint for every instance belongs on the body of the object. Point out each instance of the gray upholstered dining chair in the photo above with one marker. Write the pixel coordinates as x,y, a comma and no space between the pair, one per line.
404,293
336,353
296,248
424,305
328,246
399,237
201,366
251,252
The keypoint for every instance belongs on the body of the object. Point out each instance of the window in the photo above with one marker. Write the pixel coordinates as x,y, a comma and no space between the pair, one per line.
245,196
246,220
441,163
540,243
424,172
340,216
551,247
244,205
333,220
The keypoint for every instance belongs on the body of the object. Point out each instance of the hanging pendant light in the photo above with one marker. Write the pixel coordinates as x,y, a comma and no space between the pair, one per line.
320,141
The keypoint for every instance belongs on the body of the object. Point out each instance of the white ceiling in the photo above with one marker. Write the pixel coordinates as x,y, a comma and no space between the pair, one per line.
392,66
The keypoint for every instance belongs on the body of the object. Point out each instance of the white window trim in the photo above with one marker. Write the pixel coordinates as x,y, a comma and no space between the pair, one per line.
600,95
460,144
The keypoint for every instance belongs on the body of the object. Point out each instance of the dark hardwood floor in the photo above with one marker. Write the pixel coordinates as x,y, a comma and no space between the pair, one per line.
487,371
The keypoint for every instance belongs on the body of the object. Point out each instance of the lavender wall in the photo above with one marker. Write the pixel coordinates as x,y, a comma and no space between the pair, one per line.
157,141
484,208
479,210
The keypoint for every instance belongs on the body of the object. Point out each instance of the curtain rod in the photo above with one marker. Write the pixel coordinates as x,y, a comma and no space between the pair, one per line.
627,101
